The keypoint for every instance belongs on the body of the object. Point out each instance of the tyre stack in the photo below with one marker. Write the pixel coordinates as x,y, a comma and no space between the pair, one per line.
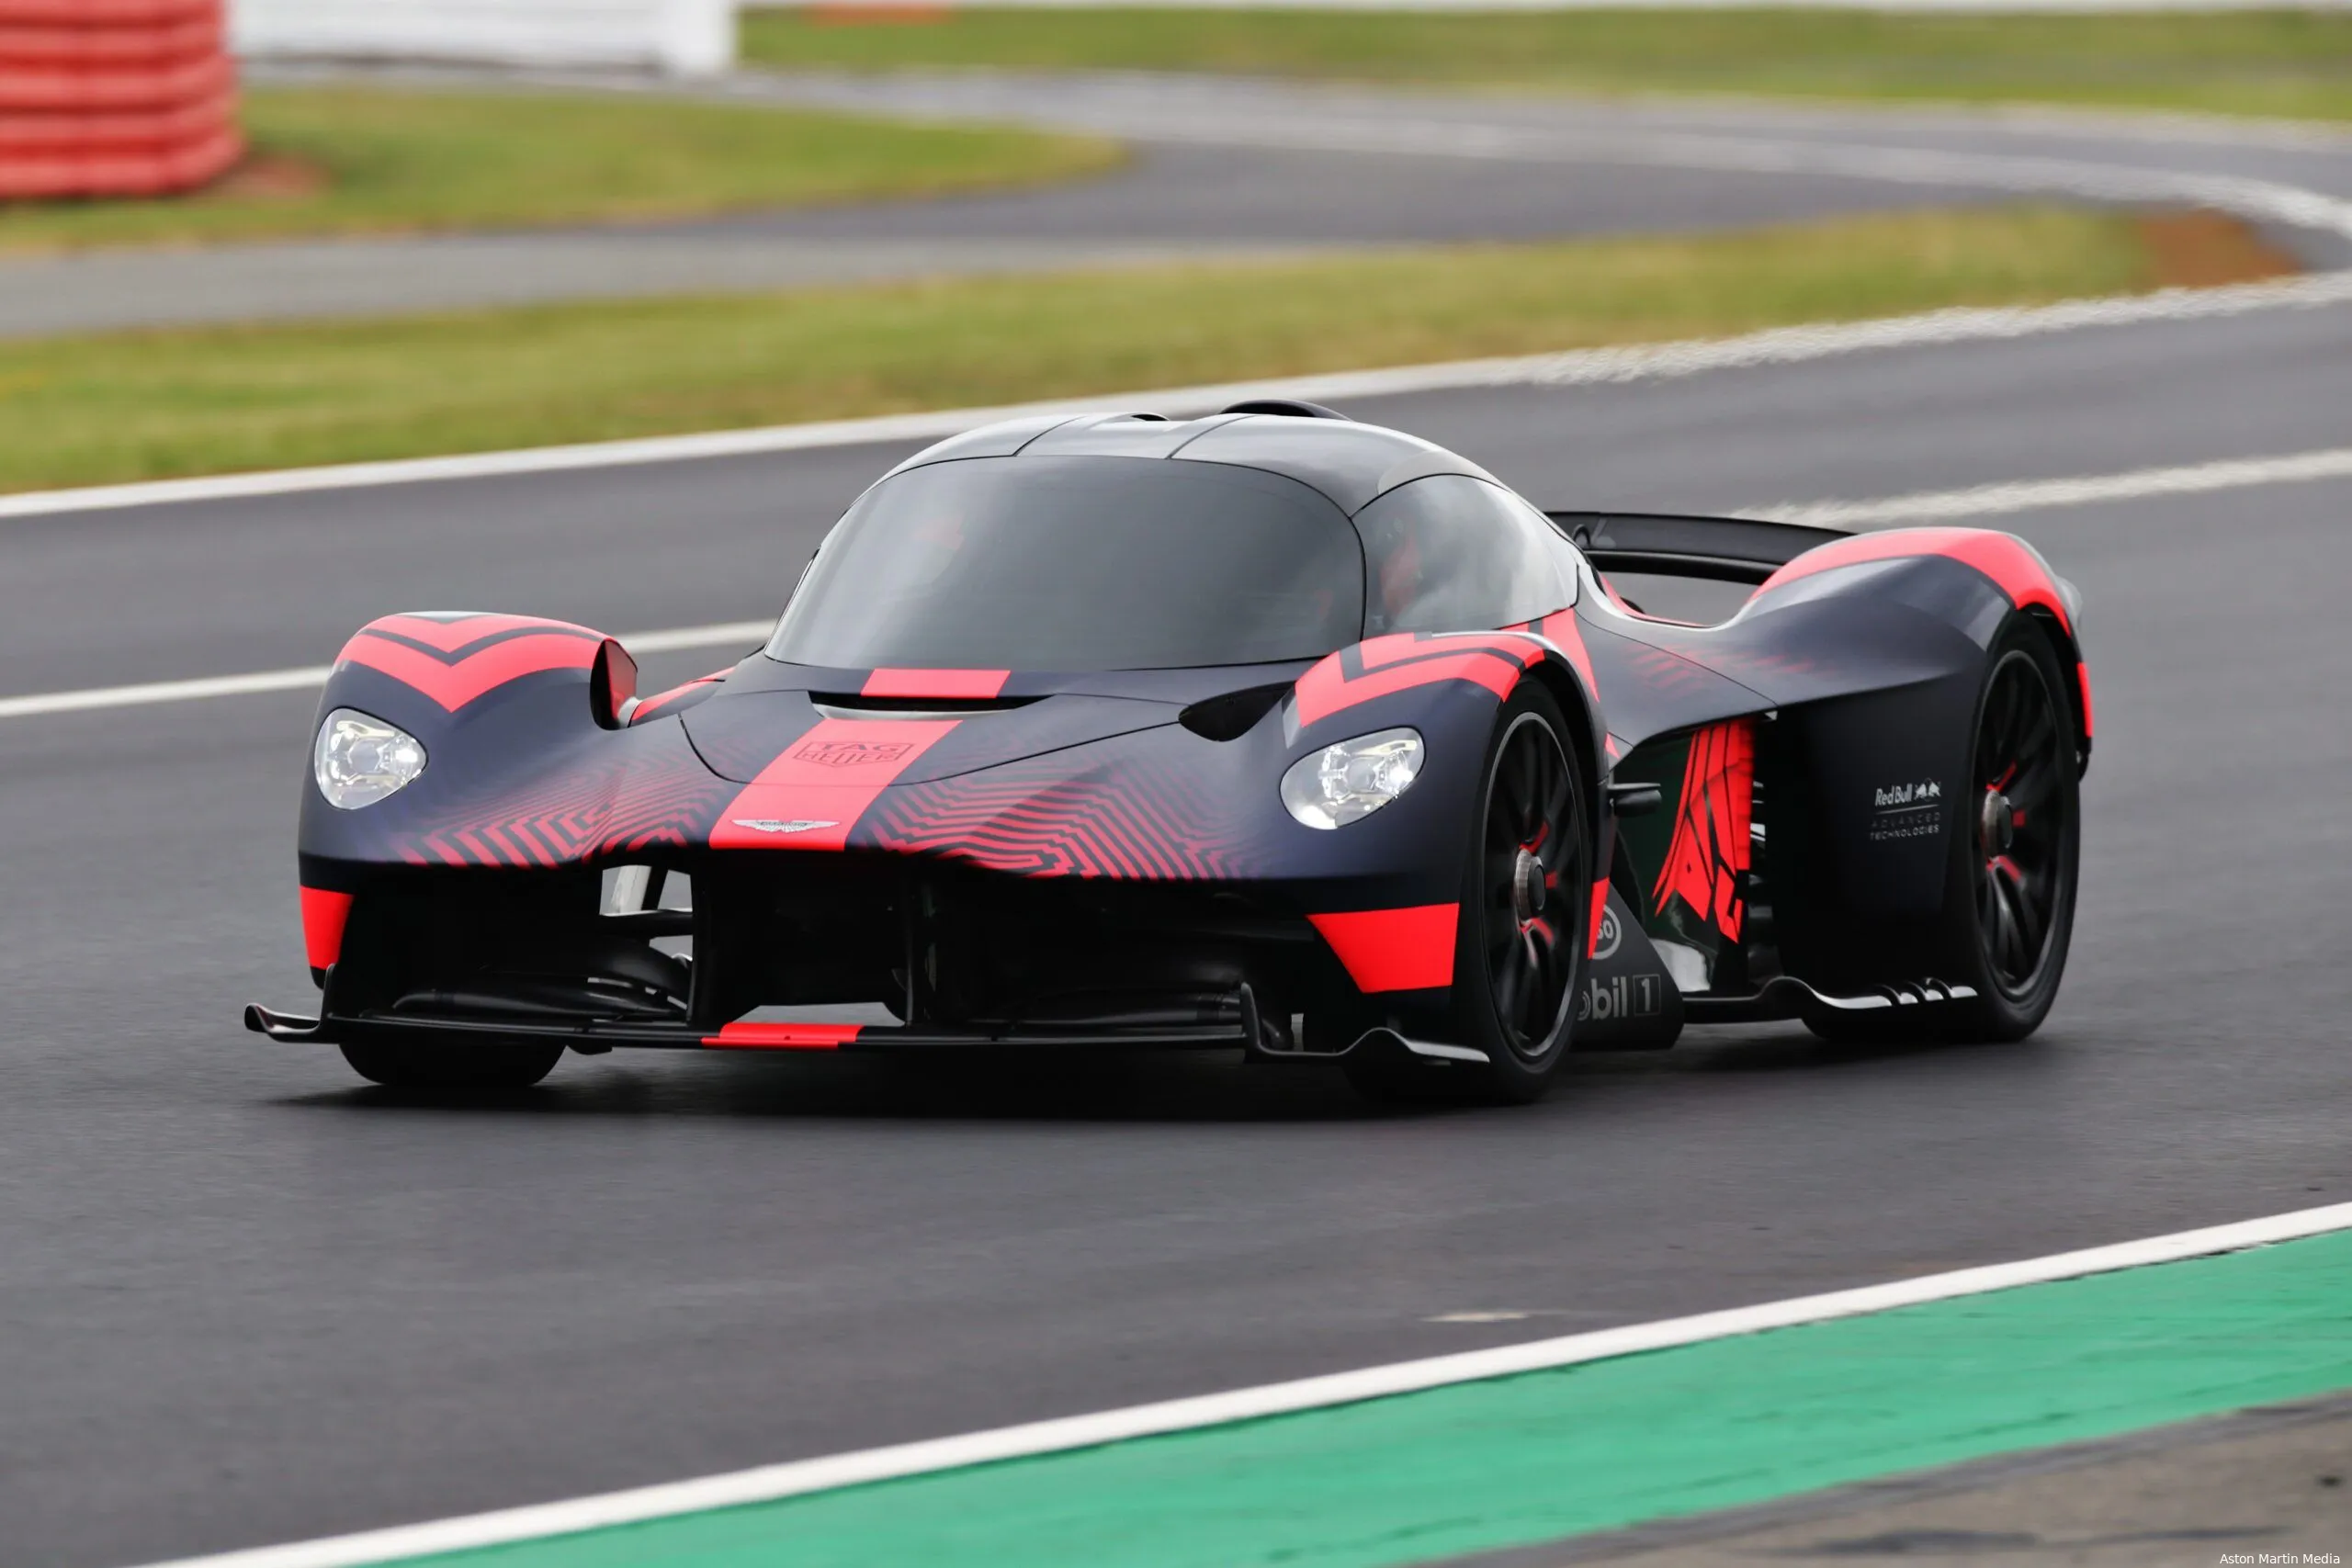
114,98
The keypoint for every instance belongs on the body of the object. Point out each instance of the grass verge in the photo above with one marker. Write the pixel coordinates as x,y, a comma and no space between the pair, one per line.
347,160
2281,63
148,405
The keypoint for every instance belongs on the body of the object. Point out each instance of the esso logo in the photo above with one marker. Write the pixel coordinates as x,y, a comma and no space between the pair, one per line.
1604,944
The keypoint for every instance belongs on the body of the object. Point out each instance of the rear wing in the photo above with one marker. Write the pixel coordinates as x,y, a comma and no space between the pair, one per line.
1727,549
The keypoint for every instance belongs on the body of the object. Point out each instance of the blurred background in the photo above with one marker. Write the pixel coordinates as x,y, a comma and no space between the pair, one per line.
303,231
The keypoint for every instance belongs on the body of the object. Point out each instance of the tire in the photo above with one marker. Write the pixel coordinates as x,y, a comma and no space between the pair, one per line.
461,1064
1520,940
2008,915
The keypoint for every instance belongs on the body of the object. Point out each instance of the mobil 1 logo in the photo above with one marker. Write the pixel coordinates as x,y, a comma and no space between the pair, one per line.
1610,997
1626,1000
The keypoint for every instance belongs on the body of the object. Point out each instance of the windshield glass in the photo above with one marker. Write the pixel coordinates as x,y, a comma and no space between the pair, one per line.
1078,563
1450,553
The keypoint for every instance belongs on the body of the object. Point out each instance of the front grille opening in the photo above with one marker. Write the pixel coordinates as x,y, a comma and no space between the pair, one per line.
573,944
653,901
988,952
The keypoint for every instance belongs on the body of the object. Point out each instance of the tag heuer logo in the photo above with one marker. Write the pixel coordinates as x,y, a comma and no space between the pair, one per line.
770,824
851,753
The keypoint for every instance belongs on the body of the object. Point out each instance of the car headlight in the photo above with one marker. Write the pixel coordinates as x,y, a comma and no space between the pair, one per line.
359,760
1336,784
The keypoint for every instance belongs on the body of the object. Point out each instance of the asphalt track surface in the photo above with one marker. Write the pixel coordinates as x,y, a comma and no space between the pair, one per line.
1232,169
250,1300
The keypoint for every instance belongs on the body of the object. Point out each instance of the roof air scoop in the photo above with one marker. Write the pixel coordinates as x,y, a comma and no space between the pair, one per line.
1290,407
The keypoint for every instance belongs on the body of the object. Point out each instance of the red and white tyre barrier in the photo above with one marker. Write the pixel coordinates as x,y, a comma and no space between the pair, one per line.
114,98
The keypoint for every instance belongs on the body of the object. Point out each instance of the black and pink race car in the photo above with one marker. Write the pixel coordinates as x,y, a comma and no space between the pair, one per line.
1271,732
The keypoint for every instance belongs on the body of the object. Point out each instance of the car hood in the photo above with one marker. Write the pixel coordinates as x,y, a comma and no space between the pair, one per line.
748,736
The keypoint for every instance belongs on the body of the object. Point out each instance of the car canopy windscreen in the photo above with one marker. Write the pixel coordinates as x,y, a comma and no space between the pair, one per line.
1078,563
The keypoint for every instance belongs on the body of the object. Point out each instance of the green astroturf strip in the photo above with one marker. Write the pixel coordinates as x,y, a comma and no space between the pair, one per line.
1553,1453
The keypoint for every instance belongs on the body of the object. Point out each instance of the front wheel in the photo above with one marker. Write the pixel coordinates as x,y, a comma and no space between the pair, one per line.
1519,936
459,1065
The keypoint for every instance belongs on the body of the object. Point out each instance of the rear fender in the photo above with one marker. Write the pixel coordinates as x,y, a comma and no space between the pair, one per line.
2015,567
1869,650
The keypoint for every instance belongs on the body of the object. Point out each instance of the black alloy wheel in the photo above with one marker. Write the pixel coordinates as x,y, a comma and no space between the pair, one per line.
1533,868
2023,823
1519,937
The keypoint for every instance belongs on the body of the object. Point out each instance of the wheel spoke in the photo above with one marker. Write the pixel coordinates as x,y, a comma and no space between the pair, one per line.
2030,788
1501,837
1531,822
1502,812
1555,805
1546,941
1502,935
1500,863
1533,1023
1992,750
2021,913
1520,793
2005,934
1510,977
2024,706
2037,732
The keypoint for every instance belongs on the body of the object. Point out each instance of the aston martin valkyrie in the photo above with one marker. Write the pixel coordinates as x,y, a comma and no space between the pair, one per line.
1270,732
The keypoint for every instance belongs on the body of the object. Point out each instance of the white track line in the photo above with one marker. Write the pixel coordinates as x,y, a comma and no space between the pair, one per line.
1391,131
2262,200
1780,345
773,1481
1846,146
2089,489
729,634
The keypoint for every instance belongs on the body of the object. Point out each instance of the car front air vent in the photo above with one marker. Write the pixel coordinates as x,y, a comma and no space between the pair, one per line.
1233,715
856,704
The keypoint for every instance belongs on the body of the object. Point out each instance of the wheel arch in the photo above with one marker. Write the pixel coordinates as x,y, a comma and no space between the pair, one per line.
1587,734
2065,646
